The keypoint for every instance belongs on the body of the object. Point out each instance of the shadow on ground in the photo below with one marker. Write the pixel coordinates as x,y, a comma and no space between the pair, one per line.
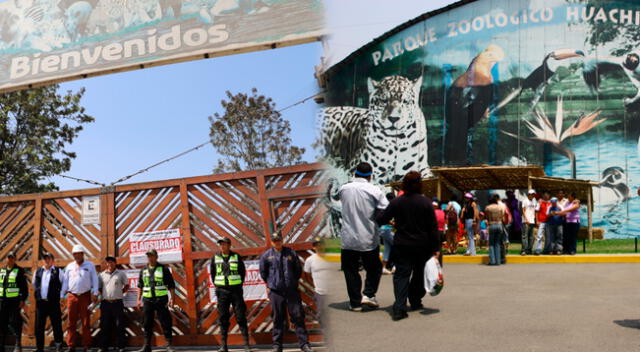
629,323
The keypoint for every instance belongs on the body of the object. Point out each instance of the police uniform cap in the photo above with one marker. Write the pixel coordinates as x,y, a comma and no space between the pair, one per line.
152,251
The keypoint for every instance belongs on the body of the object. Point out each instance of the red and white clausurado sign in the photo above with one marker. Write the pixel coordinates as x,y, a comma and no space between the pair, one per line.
168,244
253,288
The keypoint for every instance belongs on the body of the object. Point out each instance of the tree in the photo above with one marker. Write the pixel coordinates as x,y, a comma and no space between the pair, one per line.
252,134
36,127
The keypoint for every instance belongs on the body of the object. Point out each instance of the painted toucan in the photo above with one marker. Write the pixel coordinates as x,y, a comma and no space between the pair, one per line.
539,79
468,100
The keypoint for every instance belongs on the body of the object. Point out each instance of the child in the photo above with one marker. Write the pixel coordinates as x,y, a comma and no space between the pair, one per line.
484,233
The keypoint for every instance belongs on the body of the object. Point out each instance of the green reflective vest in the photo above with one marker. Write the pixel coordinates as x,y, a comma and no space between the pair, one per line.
11,290
220,279
153,283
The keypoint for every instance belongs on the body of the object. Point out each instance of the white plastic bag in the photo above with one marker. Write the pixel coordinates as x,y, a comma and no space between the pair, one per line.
433,279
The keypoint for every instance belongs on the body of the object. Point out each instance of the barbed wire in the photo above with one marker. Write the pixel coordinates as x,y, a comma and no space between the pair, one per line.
143,170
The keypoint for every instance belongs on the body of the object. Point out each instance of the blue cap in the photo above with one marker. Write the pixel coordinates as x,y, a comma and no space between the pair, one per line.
554,199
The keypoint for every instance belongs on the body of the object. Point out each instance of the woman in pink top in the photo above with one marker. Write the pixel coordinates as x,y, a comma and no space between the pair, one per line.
440,220
571,212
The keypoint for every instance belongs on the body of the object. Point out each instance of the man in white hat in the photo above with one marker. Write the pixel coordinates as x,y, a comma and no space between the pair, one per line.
529,206
80,285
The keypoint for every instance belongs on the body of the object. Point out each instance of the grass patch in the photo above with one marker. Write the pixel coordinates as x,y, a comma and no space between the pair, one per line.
613,246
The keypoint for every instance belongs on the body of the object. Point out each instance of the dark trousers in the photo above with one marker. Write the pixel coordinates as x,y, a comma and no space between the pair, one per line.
228,296
50,309
570,237
350,261
408,280
281,303
150,306
10,315
112,317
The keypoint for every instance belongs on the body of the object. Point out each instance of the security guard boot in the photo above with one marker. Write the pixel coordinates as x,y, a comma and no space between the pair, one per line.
169,346
147,345
223,343
245,339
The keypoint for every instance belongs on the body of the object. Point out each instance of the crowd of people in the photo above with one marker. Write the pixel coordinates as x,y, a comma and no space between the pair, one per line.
415,228
82,289
544,224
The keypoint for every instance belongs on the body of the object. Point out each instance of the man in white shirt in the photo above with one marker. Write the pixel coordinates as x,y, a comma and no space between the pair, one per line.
113,284
47,285
360,237
320,271
529,206
80,284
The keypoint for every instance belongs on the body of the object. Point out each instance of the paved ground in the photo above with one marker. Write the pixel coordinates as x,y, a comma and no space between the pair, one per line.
519,307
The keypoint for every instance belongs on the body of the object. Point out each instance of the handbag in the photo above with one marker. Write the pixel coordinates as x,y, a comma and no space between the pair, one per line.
433,278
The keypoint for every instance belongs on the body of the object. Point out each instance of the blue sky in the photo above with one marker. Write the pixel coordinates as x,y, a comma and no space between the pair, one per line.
145,116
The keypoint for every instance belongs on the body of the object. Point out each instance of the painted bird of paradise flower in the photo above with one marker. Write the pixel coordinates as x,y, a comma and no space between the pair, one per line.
545,132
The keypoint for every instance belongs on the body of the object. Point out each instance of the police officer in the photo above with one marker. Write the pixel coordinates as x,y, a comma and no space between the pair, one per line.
13,294
47,286
227,273
280,268
155,284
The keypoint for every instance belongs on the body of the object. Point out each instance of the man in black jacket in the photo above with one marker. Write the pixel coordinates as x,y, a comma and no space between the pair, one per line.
280,269
13,294
227,274
415,241
47,284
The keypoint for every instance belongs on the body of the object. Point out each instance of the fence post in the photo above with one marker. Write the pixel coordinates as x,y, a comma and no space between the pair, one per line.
188,262
265,209
37,242
108,221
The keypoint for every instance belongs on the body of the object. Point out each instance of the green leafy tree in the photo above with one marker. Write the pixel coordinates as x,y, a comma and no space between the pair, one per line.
251,134
36,128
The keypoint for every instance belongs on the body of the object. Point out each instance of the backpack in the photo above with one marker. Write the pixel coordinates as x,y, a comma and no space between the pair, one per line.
452,218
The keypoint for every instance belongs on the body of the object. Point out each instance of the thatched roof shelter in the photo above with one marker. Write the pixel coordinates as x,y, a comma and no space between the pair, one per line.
487,177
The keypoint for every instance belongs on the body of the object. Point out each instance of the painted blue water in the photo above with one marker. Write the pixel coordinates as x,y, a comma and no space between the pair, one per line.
594,154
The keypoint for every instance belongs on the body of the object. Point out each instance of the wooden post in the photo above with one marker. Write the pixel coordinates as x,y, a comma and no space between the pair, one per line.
37,241
589,213
108,224
529,183
188,261
267,223
439,189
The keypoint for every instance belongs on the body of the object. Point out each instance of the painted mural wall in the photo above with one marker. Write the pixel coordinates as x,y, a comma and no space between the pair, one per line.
500,82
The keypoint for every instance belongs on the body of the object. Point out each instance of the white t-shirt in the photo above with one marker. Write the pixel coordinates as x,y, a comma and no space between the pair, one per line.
529,214
320,271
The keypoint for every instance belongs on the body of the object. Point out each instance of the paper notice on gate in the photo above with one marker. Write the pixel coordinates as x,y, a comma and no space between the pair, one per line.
253,288
130,298
168,244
